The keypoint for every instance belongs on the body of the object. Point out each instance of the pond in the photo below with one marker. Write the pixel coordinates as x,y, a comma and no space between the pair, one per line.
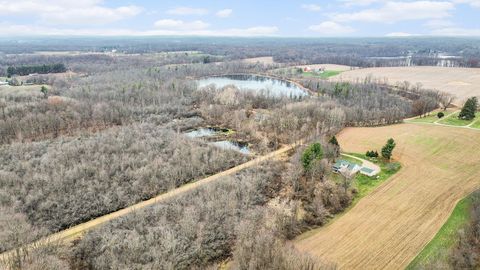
232,145
205,132
260,84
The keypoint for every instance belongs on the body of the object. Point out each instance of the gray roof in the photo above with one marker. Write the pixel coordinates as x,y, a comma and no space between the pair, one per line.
367,170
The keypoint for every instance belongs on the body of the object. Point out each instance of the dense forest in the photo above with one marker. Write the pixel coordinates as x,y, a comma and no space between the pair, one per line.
43,69
111,133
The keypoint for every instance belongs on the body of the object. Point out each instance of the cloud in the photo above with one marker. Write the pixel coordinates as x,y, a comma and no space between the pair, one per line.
393,12
439,24
349,3
400,34
224,13
86,12
252,31
168,24
456,31
311,7
187,11
163,27
331,28
473,3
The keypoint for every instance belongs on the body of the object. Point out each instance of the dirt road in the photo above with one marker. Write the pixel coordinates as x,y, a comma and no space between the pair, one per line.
390,226
76,231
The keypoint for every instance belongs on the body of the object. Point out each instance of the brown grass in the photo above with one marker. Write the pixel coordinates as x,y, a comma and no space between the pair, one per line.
390,226
266,60
462,82
332,67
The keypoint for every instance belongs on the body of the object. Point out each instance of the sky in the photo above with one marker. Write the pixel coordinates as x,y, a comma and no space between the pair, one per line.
282,18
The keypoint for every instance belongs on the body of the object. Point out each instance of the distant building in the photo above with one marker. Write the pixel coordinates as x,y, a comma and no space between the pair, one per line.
3,83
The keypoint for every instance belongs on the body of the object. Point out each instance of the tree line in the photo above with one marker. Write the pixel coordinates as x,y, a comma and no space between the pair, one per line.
40,69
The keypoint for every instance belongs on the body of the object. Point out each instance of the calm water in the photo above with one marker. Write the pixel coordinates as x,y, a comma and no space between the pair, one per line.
231,145
255,83
202,132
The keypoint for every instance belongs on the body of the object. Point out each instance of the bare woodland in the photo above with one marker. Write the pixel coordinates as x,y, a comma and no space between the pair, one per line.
110,135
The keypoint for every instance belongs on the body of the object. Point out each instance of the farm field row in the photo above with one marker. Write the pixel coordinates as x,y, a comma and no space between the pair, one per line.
391,225
437,251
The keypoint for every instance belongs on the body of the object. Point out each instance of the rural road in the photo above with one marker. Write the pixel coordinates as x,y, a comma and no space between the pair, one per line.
76,231
389,227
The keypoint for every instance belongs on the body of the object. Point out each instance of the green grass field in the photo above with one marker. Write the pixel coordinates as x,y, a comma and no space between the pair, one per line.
430,118
438,249
326,74
455,121
476,124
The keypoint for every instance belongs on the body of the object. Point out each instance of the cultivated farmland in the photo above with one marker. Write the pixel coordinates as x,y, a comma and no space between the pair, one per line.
462,82
389,227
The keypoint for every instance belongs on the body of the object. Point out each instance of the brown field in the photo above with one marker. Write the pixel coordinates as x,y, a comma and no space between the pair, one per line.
462,82
390,226
267,60
19,91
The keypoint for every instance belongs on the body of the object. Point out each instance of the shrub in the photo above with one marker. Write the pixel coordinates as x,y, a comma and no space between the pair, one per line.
440,115
313,152
372,154
469,109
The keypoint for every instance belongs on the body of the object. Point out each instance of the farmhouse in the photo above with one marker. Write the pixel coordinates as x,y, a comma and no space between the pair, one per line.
352,168
342,165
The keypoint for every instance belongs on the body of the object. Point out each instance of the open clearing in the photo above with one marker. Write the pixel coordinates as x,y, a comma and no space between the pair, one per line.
462,82
391,225
332,67
266,60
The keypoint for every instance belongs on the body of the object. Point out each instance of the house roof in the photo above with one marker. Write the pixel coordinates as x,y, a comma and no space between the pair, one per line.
367,170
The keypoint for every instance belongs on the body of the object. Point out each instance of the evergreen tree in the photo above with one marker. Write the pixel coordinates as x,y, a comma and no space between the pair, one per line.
44,91
313,152
334,141
387,150
469,109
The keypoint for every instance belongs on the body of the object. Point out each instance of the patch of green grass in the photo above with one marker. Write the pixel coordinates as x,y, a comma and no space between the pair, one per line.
476,124
366,184
438,249
430,118
326,74
351,160
455,121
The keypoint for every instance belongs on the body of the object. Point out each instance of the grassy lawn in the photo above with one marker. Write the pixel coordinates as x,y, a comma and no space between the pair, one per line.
326,74
430,118
439,248
365,184
455,121
476,124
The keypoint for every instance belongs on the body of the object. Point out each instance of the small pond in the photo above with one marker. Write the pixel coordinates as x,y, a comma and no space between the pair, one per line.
260,84
206,132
